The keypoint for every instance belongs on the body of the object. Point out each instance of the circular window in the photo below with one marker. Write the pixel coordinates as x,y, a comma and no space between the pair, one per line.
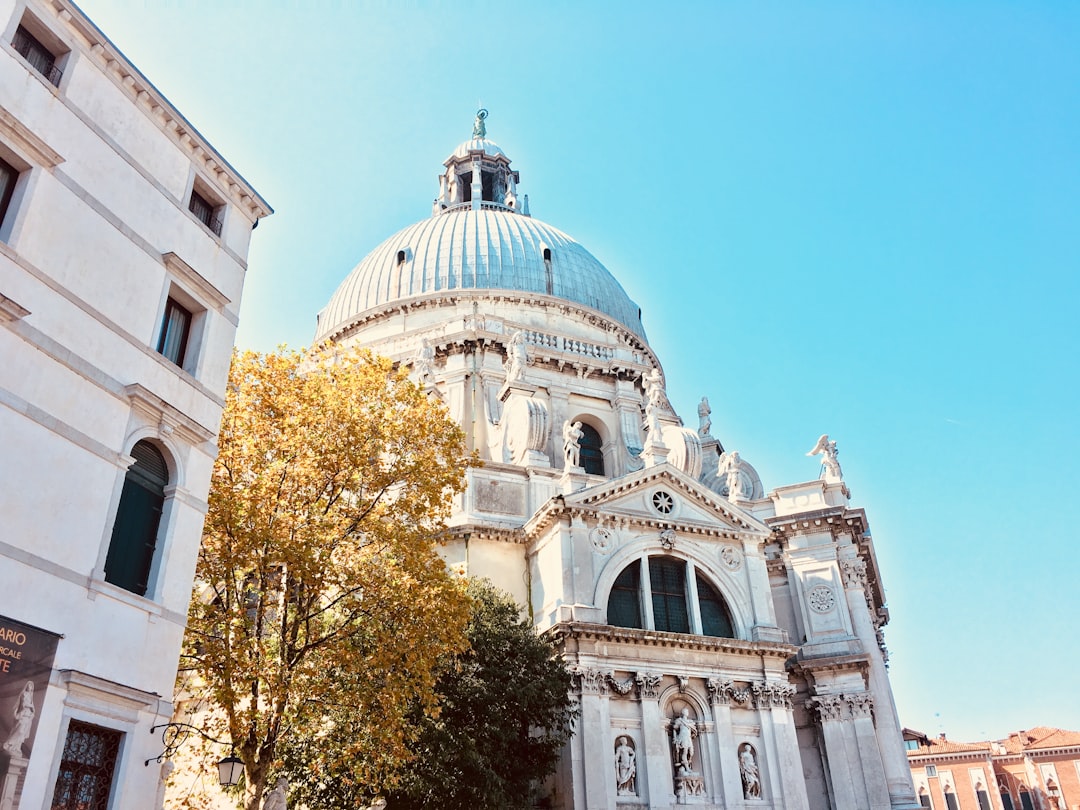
663,502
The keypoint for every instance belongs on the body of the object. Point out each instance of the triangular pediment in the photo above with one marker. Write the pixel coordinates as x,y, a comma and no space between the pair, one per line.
657,495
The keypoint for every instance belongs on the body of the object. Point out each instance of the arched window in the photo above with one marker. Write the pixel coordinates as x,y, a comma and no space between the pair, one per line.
624,603
134,535
666,590
950,799
592,456
1025,799
924,798
715,620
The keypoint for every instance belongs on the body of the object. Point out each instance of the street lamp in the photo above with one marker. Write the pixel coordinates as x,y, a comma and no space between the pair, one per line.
230,769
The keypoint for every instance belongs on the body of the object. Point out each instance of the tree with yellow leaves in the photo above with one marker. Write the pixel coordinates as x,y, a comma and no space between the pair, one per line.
318,582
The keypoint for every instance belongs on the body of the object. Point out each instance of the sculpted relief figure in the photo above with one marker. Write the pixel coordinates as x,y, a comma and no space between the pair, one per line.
748,768
625,768
683,731
275,799
703,412
517,357
24,721
827,451
572,435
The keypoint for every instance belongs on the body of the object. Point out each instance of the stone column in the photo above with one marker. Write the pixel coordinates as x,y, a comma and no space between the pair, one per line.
839,759
861,705
727,781
659,786
595,728
783,764
887,727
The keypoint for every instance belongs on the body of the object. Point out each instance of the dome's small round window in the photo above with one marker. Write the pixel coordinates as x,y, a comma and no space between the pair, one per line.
663,502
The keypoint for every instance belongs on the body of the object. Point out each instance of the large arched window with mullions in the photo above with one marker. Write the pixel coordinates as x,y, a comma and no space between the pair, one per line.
135,531
669,594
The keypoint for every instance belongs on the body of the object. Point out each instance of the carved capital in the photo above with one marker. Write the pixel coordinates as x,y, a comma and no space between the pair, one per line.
826,707
648,684
720,690
772,694
861,703
854,573
591,681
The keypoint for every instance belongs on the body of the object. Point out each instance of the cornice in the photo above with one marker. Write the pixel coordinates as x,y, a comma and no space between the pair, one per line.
159,109
581,631
17,133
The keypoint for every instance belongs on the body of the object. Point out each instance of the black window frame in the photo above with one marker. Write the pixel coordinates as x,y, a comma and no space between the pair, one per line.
7,193
37,54
170,346
206,210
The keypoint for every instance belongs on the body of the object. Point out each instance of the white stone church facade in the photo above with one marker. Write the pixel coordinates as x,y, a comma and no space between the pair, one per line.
726,640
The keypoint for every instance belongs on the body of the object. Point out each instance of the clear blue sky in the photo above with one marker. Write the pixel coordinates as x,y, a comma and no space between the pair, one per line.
854,217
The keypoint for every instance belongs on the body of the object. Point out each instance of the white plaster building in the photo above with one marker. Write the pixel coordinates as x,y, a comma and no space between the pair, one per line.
123,245
727,645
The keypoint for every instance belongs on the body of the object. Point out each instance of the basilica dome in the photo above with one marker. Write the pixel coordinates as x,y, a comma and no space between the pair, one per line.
478,239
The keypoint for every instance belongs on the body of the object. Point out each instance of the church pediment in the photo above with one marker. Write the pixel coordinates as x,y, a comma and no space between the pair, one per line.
659,495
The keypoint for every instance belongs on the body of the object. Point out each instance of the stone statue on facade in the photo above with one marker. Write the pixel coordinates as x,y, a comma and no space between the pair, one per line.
572,435
704,422
24,721
275,799
517,357
827,450
625,768
422,364
729,471
653,381
748,768
683,731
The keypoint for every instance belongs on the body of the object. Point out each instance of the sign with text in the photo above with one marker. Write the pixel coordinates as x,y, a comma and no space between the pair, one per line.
26,659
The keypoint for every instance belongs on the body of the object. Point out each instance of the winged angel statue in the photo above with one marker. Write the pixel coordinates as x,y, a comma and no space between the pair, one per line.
827,451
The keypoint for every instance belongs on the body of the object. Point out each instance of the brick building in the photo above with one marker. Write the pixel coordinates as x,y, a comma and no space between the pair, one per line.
1038,769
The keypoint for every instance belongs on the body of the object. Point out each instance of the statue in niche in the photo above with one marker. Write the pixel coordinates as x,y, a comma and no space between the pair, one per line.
572,435
275,799
683,731
517,357
625,768
828,453
422,364
748,768
704,422
24,721
729,470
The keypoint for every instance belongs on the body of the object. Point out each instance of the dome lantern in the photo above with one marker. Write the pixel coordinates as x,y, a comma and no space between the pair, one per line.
478,176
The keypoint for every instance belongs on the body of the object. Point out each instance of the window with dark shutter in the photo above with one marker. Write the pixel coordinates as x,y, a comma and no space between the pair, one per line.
134,535
8,176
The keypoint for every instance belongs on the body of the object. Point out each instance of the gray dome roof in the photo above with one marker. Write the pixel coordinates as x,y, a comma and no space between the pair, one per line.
466,249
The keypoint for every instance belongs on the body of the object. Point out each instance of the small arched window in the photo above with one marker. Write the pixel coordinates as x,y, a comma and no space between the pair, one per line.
135,531
401,257
592,454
